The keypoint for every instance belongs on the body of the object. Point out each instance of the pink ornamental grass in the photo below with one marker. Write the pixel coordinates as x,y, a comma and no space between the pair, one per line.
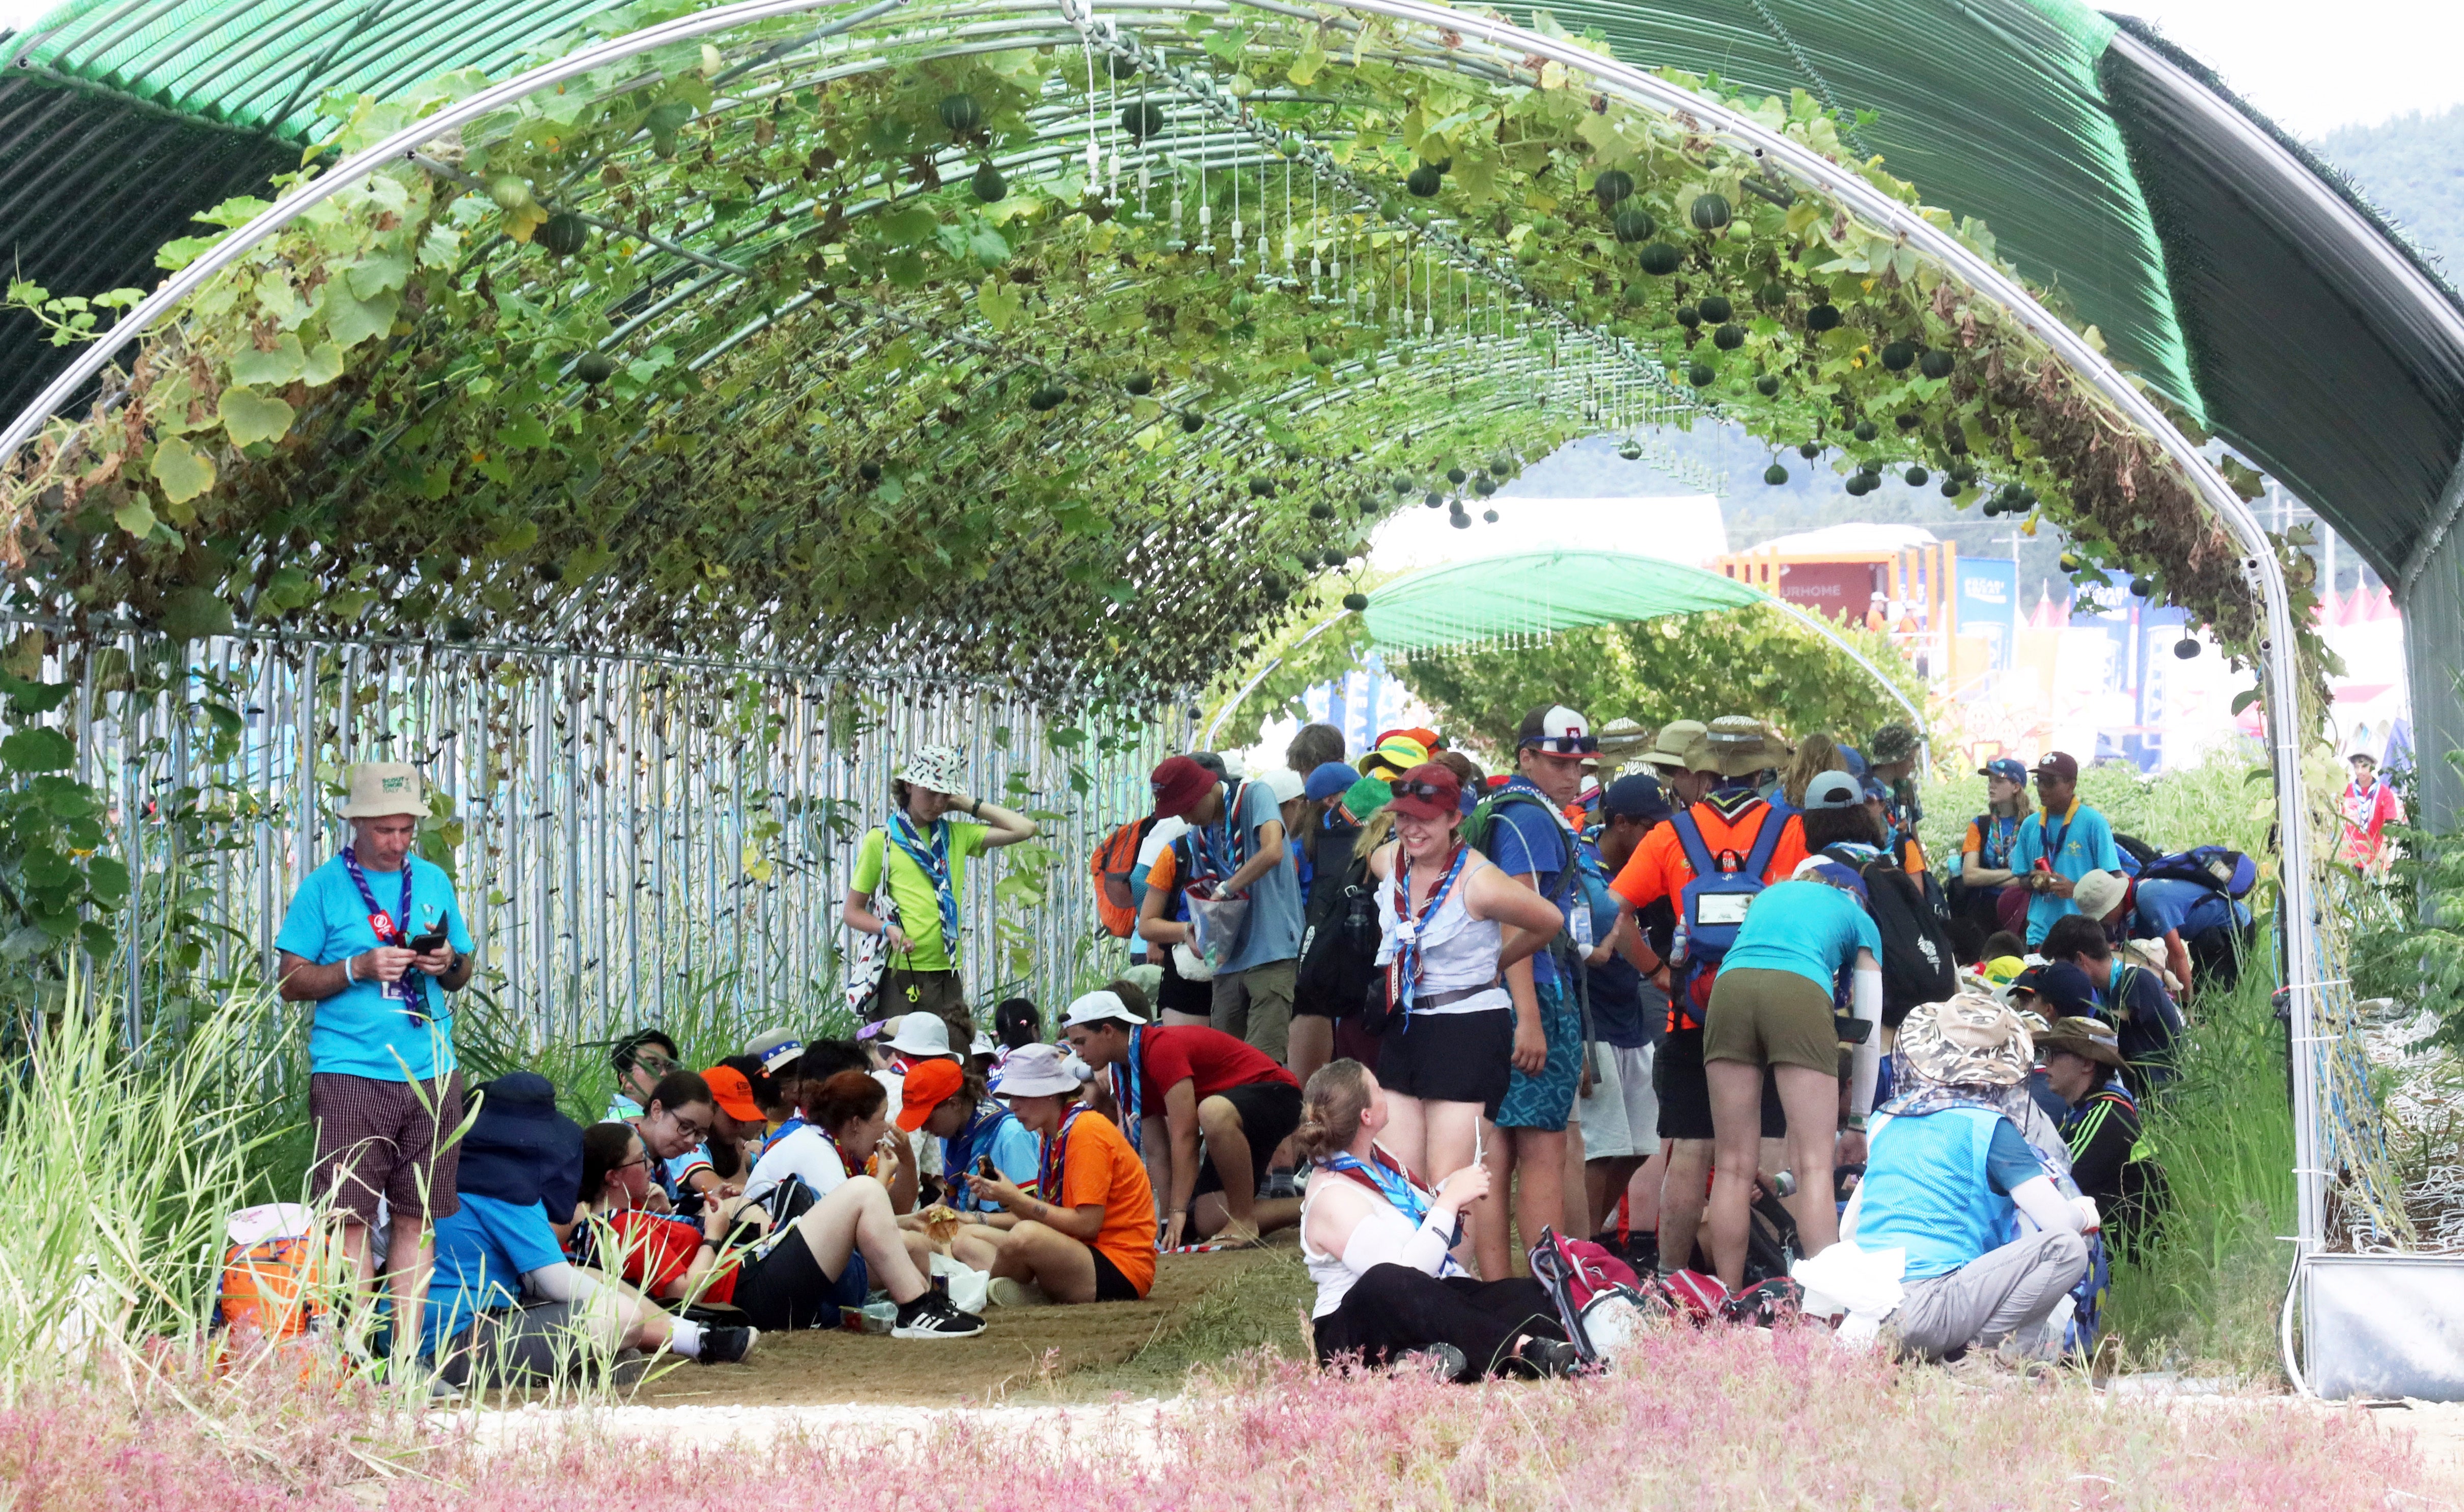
1725,1418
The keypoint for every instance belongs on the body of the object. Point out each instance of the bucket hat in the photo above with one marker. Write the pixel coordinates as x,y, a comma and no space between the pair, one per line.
2089,1039
937,769
1966,1041
1676,738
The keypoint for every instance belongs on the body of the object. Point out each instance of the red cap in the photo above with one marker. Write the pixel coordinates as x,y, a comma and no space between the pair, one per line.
2058,764
732,1091
1179,785
929,1084
1427,791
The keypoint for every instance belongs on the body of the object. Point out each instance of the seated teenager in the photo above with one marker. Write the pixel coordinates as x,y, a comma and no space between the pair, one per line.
844,1133
640,1059
715,1169
2110,1157
1377,1243
1200,1083
505,1304
1945,1170
976,1131
1090,1236
796,1277
676,1119
2129,997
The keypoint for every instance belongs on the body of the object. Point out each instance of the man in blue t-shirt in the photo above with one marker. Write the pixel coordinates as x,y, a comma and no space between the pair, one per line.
2205,932
1238,848
1529,839
1619,1115
375,939
2062,842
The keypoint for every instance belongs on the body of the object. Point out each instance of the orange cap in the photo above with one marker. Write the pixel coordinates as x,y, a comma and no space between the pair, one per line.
732,1092
929,1084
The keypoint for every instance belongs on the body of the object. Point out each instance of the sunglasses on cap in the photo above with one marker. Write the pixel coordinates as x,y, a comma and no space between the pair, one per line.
1564,745
1428,789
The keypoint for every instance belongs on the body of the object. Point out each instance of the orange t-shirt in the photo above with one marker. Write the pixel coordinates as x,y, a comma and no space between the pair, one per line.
1658,868
1099,1166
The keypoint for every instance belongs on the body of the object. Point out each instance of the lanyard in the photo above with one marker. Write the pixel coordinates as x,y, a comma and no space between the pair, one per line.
1403,974
388,931
1382,1175
1126,1089
934,861
1056,1158
1216,847
2054,838
2002,832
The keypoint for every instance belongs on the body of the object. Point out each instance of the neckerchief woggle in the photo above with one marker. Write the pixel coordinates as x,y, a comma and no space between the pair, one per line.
934,861
1403,971
388,932
1125,1078
1056,1157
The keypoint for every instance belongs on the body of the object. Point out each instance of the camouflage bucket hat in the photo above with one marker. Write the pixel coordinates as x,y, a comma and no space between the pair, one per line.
1969,1040
1892,743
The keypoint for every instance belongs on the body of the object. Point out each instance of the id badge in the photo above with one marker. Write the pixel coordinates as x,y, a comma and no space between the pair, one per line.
397,990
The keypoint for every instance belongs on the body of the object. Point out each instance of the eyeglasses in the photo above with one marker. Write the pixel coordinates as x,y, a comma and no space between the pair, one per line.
652,1062
1564,745
1428,790
696,1132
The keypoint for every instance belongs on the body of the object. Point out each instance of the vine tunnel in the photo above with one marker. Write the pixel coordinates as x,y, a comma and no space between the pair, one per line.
1079,347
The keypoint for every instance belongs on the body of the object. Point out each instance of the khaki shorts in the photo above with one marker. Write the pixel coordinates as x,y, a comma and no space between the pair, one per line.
1255,1006
1767,1018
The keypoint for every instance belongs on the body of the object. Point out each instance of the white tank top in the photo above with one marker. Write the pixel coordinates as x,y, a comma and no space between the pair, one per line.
1457,951
1381,1238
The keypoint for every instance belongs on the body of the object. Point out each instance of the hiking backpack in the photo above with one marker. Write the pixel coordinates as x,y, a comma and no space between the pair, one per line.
1338,958
1482,821
2215,867
2137,855
1113,860
1918,963
1711,906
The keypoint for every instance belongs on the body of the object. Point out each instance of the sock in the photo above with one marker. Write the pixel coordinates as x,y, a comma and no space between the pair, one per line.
684,1336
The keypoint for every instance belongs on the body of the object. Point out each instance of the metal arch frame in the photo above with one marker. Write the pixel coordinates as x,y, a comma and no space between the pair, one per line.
1510,45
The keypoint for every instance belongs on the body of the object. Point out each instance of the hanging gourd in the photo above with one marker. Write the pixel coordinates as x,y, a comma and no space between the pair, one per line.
961,114
1689,316
1766,386
1809,449
1611,185
594,367
1455,475
1660,259
561,235
1355,601
1824,316
1192,423
1716,308
1899,356
1262,487
1424,181
1633,223
1046,396
1867,430
1142,120
1139,385
1775,474
1935,363
1700,374
1918,477
1709,213
1728,337
988,184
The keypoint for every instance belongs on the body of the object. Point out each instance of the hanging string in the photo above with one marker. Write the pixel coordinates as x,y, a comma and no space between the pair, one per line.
1235,171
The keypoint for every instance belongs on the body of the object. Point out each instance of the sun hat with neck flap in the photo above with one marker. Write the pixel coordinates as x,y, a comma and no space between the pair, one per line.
1966,1041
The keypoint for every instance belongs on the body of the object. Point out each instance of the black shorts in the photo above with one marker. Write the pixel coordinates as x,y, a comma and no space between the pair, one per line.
1269,1111
787,1289
1177,994
1685,1094
1451,1058
1110,1285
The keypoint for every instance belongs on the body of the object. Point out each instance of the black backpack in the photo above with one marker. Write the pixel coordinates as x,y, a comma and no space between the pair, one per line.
1918,963
1339,943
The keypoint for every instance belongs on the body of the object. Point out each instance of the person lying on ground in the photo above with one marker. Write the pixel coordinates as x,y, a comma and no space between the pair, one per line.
2111,1159
977,1135
1091,1236
505,1304
845,1132
1201,1083
1946,1171
639,1059
797,1276
2127,996
1377,1242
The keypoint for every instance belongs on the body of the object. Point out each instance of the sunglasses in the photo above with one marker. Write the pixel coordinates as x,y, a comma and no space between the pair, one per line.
1428,789
1564,745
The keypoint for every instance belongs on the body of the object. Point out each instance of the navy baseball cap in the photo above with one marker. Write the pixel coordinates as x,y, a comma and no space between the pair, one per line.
1635,797
1331,780
2007,768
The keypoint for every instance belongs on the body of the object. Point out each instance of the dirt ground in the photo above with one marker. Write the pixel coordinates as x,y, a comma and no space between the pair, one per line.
1202,1306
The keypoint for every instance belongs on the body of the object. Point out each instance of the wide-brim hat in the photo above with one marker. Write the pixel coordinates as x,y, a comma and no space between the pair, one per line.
1966,1041
1034,1070
1739,746
520,1148
937,769
1674,740
2096,893
923,1035
2089,1039
384,790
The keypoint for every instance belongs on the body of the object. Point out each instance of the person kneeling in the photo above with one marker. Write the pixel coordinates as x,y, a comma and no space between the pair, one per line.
1095,1240
1376,1241
1945,1170
795,1276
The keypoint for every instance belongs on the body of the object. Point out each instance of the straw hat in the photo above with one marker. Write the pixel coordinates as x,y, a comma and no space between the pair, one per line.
1969,1040
384,789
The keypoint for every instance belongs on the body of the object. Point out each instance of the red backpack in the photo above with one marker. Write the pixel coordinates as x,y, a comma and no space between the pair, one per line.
1112,865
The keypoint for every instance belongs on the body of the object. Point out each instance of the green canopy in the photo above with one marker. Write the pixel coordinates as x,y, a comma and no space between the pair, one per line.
1538,592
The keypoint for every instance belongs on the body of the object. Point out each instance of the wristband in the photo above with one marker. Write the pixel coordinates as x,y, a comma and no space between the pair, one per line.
350,979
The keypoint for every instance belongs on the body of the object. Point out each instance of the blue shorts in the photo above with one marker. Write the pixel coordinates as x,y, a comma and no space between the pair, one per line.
1547,1101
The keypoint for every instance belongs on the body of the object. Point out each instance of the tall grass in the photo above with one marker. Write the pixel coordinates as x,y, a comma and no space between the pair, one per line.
2224,801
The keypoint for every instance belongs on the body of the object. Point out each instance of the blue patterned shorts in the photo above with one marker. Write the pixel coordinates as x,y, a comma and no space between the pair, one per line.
1548,1099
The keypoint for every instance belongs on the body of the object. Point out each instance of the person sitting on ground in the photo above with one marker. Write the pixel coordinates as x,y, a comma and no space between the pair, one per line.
738,1126
2111,1159
2127,996
1201,1083
640,1059
675,1123
973,1129
845,1132
1945,1170
1016,1021
505,1304
1089,1232
795,1276
1376,1242
2005,944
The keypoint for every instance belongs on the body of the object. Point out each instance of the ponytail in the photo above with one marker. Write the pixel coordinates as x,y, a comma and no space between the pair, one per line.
1337,1094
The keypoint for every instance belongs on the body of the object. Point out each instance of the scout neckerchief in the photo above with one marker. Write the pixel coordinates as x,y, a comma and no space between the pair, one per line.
1048,1170
1214,850
390,930
2054,838
1382,1174
1126,1089
780,1133
934,861
1403,971
1996,834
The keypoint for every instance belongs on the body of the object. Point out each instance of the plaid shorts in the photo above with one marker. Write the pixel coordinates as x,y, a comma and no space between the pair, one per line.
388,1139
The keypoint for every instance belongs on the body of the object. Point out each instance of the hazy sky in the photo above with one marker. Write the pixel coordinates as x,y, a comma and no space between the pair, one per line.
2312,65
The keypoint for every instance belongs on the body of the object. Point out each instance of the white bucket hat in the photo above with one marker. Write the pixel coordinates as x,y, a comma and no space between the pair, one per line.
384,789
939,769
922,1033
1035,1070
2096,893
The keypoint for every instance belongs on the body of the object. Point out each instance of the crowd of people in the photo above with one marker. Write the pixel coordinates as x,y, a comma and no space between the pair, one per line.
1696,993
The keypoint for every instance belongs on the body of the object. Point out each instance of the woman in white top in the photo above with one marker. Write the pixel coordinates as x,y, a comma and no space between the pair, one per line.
1453,923
1377,1240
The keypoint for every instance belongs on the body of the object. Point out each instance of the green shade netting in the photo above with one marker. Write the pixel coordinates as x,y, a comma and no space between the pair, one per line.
1538,592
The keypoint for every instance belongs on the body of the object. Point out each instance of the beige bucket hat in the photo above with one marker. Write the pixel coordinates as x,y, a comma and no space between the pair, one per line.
382,788
1676,738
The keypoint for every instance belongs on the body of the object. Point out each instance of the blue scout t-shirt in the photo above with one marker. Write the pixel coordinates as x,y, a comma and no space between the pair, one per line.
359,1031
1617,1016
482,1252
1528,839
1273,933
2082,842
2164,904
1810,927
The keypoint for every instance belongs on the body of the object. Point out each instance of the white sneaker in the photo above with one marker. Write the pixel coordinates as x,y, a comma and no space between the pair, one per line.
1008,1291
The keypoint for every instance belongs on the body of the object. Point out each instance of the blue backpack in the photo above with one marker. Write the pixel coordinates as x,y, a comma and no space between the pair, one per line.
2218,868
1712,905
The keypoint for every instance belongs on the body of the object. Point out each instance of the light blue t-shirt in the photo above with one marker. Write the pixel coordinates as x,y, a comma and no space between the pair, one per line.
2082,843
1810,927
2166,904
359,1031
1273,932
1528,839
482,1251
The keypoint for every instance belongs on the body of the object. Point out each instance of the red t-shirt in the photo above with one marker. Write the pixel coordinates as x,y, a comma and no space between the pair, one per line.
1208,1057
658,1250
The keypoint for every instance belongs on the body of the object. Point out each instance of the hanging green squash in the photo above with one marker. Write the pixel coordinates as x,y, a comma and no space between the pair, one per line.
1935,363
1728,337
1716,308
1709,213
1867,430
1611,185
1455,475
1768,386
1139,385
1424,181
1501,466
594,367
1809,449
1823,317
561,235
1918,477
1688,316
988,184
1660,259
1899,356
1489,515
1700,374
1142,120
1355,601
1047,396
1262,487
1633,223
961,114
1775,474
1192,423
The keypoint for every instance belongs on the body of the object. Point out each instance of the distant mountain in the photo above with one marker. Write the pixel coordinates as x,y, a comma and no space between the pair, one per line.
2412,168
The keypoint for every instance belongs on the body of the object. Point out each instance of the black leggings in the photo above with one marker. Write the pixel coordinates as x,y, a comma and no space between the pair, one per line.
1393,1310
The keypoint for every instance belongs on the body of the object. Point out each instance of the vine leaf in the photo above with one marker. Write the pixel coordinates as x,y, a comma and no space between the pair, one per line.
270,369
350,320
40,749
135,516
324,365
250,416
181,469
191,614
